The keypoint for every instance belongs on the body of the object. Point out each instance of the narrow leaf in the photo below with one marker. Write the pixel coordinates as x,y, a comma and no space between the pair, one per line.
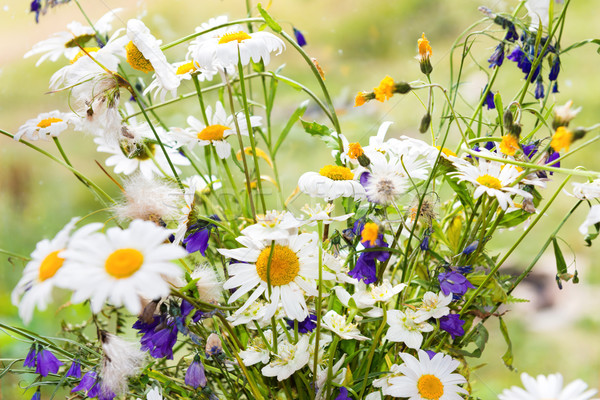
268,19
508,355
286,130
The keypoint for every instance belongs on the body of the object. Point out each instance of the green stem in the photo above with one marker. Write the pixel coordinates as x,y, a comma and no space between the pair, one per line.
372,351
319,301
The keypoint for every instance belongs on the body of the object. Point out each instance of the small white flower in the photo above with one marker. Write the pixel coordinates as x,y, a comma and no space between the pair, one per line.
219,127
331,182
144,54
434,306
67,43
539,13
592,218
120,266
426,379
225,51
254,312
338,325
45,125
39,276
382,293
587,190
320,213
289,359
122,359
548,387
273,225
257,351
405,328
183,71
153,394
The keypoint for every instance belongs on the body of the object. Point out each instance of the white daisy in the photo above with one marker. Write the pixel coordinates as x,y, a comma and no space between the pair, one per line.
289,359
427,379
257,351
235,44
405,328
183,71
67,43
548,387
385,181
45,125
331,182
293,271
434,306
220,126
39,276
130,155
493,178
337,324
121,266
377,144
144,54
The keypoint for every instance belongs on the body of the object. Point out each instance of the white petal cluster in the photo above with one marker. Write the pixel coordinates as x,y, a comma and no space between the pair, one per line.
548,387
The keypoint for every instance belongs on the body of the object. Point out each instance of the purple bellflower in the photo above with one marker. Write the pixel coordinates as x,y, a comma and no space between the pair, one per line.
452,324
74,369
454,282
194,375
307,325
30,360
47,363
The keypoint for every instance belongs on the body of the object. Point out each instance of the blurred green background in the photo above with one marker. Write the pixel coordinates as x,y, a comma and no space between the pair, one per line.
356,43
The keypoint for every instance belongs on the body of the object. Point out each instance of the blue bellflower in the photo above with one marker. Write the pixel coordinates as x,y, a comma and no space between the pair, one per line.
199,236
452,324
539,88
37,395
430,353
47,363
86,383
366,266
74,369
31,357
159,336
195,375
489,98
300,39
36,7
497,56
307,325
471,248
553,75
344,395
453,282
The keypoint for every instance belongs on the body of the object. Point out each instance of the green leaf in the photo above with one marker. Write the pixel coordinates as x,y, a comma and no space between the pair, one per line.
508,356
582,43
316,129
500,110
462,192
286,130
514,218
480,338
268,19
561,265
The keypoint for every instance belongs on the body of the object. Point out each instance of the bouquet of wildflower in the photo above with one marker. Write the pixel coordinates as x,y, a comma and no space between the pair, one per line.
380,287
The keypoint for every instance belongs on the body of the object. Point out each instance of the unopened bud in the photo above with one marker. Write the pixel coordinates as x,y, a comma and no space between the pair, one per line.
515,130
402,87
425,121
426,66
508,119
363,160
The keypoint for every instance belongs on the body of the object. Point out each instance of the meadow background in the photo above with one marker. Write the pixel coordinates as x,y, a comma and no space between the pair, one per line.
356,43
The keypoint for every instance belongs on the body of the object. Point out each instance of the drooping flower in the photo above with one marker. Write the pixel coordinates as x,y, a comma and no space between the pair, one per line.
74,370
194,376
489,98
183,72
331,182
405,328
497,56
34,289
300,39
548,387
427,379
220,126
159,336
237,45
87,382
454,282
45,126
366,266
47,363
292,272
31,358
452,324
343,394
144,54
289,359
121,265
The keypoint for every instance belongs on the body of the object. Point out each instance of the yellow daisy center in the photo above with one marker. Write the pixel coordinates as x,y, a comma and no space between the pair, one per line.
50,265
385,90
355,151
489,181
47,122
430,387
212,132
336,173
562,139
509,145
136,59
123,263
370,233
284,265
231,36
79,41
82,53
185,68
